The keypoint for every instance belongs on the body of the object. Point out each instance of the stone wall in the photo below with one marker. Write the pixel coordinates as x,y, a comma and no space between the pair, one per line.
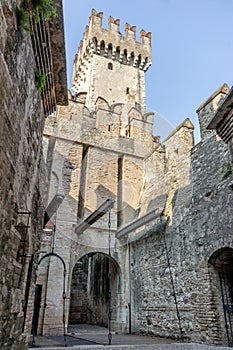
201,225
208,108
21,127
167,171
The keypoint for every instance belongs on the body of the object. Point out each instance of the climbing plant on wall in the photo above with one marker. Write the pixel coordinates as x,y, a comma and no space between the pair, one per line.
37,9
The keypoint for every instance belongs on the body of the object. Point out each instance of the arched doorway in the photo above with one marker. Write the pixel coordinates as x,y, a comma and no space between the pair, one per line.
89,297
222,260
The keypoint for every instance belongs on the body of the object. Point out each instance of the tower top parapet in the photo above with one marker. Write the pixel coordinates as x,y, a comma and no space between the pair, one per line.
95,21
112,65
112,44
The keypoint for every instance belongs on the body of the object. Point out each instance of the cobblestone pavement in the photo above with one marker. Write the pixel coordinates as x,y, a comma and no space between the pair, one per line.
85,337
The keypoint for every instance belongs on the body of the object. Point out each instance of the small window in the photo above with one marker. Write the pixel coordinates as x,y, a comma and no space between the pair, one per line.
110,66
117,54
127,91
102,48
109,127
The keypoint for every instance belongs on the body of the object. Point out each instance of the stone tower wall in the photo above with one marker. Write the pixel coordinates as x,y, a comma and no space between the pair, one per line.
105,55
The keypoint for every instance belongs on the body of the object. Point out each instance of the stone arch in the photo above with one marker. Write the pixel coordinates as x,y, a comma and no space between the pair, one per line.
102,103
134,113
117,107
87,113
221,267
89,291
80,97
148,117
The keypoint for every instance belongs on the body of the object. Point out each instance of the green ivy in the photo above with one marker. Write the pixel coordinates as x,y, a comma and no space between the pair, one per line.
44,9
37,9
228,171
40,80
23,19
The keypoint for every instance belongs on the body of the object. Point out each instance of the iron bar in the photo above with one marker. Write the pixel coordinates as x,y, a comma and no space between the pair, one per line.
27,289
53,237
64,287
109,282
130,288
228,305
24,240
223,302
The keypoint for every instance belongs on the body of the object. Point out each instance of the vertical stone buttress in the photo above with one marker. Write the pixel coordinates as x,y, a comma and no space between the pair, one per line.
111,65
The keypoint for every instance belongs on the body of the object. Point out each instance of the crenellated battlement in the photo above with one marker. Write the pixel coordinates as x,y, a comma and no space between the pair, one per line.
105,57
95,20
111,44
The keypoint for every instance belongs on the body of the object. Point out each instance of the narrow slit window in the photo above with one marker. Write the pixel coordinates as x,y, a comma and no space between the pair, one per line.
110,66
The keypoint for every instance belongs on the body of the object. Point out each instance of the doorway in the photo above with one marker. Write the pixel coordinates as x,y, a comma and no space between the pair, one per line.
222,260
37,306
89,298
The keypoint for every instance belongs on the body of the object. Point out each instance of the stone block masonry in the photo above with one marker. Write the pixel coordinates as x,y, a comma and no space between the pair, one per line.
22,178
21,127
201,227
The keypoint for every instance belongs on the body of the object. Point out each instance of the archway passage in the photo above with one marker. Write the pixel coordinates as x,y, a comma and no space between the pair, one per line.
222,260
89,298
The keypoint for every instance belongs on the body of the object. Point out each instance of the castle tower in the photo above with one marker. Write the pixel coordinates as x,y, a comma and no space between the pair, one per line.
95,151
111,65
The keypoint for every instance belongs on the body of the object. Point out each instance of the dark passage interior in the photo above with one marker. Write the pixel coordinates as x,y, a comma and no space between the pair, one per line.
222,260
89,299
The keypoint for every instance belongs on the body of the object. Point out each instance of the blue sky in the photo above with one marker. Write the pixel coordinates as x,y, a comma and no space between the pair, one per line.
192,50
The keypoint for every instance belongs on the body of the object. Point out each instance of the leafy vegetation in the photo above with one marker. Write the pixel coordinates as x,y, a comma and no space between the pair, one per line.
23,19
44,9
40,80
228,171
37,9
